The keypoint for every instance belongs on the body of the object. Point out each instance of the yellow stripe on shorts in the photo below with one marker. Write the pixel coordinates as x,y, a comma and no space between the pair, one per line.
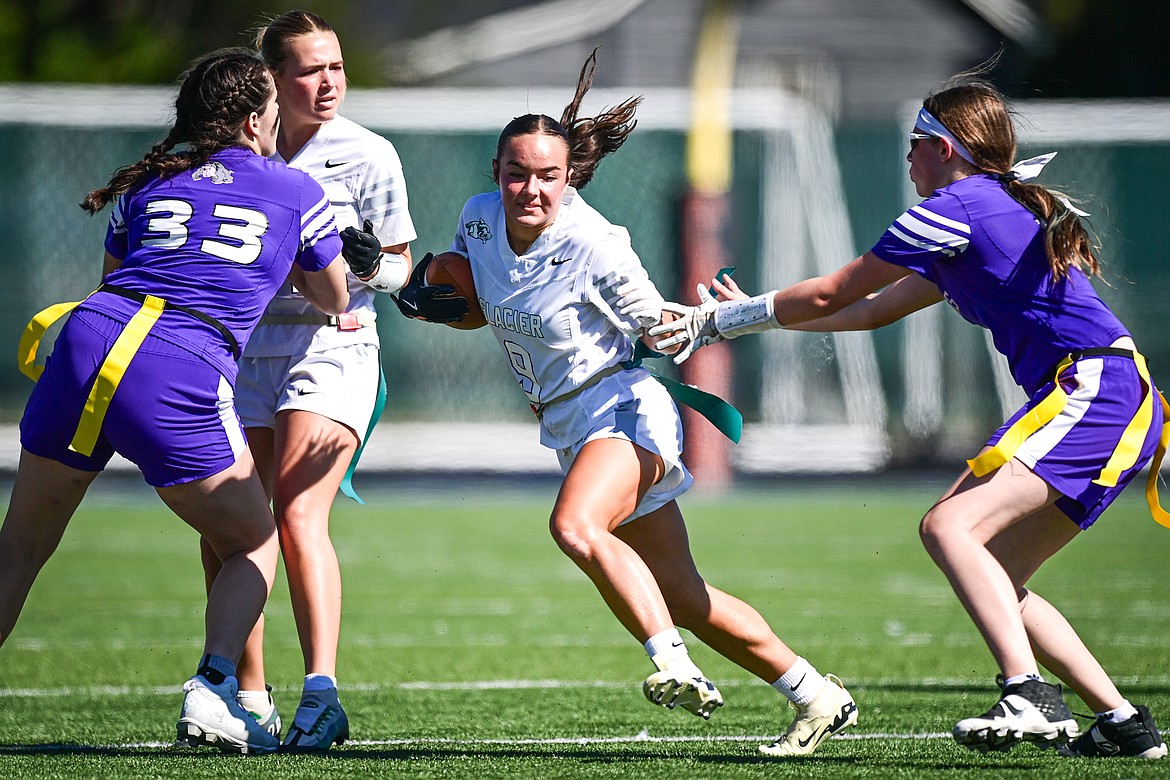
1124,455
34,333
1130,447
1159,514
1036,418
111,373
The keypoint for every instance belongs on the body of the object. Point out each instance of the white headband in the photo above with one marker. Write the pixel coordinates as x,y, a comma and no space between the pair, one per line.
931,125
1025,170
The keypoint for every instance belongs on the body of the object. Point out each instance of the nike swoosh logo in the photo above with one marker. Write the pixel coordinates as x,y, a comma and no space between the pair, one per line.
842,717
331,164
1013,709
560,261
837,724
676,644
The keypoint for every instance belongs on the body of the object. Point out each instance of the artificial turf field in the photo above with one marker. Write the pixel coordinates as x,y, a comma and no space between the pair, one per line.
472,648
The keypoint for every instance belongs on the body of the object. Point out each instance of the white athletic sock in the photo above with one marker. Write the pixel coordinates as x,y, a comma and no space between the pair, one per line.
801,683
319,682
1118,714
666,648
257,702
1019,678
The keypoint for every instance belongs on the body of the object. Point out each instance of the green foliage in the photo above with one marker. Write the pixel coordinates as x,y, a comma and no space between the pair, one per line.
460,614
134,41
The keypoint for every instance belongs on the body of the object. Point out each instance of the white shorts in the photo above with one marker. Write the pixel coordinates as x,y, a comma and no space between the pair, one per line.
339,383
644,414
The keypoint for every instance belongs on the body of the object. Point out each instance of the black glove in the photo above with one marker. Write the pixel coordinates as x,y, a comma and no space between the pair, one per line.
361,249
431,302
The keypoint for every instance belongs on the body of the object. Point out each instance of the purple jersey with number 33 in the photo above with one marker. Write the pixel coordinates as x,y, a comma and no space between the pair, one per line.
220,239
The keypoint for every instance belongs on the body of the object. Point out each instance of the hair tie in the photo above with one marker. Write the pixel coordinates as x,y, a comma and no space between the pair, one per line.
1029,169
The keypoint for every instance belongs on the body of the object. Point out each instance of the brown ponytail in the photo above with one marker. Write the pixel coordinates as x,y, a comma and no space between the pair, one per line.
977,114
589,139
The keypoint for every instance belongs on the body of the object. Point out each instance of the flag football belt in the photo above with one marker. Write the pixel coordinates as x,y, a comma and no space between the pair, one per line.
350,320
116,362
725,417
1128,449
538,409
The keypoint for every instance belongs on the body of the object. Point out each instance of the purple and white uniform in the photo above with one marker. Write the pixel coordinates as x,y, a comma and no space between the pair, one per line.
219,239
985,252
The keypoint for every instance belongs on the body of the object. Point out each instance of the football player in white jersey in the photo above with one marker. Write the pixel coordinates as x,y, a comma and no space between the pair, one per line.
308,383
566,297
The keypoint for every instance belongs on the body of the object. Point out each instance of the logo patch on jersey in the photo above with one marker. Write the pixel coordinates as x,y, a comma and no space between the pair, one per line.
560,260
214,172
479,230
331,164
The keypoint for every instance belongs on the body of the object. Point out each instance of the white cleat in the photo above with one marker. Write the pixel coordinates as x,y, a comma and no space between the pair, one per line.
686,688
831,712
1031,711
211,716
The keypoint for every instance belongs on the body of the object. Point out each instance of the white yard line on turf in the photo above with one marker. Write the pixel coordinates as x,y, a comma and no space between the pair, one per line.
505,685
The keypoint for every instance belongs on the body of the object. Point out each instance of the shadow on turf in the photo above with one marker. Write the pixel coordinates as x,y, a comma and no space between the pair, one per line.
599,756
86,750
1132,689
536,754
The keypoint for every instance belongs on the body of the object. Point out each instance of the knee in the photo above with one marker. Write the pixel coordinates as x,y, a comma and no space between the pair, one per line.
576,537
242,539
933,531
300,525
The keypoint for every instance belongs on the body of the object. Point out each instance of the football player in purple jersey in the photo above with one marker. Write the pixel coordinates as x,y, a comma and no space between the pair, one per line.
198,241
308,390
1015,258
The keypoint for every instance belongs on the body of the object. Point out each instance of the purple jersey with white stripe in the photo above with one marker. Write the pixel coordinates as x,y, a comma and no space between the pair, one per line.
985,251
220,239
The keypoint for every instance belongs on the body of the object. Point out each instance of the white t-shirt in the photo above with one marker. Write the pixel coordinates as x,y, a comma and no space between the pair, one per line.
361,174
552,308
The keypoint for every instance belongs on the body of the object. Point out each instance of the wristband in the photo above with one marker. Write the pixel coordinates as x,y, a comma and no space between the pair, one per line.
391,274
751,315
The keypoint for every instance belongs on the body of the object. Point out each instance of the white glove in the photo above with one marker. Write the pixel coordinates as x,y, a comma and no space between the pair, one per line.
639,299
695,326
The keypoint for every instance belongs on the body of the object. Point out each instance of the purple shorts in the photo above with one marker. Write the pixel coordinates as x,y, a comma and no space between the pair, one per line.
173,414
1104,394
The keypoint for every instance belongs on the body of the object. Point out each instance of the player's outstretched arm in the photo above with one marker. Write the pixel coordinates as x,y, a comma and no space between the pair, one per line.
890,304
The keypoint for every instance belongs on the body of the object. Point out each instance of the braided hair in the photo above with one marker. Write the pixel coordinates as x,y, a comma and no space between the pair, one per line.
589,138
217,95
977,114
